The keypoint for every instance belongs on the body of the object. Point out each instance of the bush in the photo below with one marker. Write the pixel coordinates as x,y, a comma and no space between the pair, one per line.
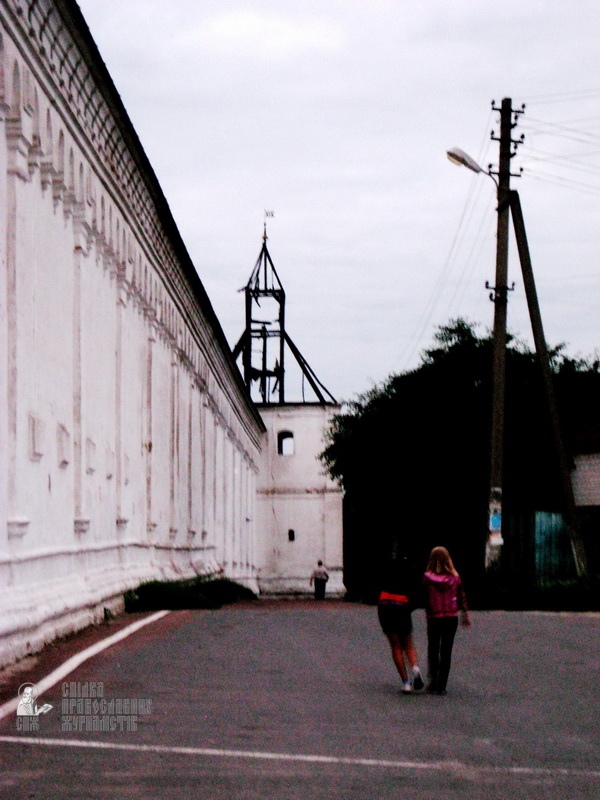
196,593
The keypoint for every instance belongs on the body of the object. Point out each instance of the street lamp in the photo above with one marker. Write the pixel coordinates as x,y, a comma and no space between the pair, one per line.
462,159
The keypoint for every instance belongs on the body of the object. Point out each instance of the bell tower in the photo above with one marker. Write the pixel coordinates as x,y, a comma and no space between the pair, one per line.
265,342
299,509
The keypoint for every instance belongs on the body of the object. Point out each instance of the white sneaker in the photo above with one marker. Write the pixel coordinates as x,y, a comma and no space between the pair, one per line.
417,679
406,687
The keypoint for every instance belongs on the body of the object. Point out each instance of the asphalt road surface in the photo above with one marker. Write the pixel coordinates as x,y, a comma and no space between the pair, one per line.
300,700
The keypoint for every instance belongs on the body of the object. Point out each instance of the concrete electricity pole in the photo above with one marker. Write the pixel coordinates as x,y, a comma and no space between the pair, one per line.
500,298
509,205
535,316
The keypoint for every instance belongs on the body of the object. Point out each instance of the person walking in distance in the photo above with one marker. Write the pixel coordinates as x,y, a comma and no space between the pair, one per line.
444,598
394,608
319,579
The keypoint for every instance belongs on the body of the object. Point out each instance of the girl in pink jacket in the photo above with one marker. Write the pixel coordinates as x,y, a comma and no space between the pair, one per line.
444,598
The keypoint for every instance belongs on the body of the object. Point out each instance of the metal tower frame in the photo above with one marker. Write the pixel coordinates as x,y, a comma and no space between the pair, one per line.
264,282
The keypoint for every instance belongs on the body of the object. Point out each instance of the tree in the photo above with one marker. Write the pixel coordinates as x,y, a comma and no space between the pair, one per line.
413,453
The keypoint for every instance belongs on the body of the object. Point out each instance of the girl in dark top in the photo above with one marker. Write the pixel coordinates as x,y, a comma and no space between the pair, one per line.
394,608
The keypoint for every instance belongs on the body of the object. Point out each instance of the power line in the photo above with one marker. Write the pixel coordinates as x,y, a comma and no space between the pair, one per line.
557,180
470,207
564,97
575,163
532,158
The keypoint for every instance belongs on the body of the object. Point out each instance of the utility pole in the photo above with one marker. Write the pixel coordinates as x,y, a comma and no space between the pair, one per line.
509,204
535,316
499,297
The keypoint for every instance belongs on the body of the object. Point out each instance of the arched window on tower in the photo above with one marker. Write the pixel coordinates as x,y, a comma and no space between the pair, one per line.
285,443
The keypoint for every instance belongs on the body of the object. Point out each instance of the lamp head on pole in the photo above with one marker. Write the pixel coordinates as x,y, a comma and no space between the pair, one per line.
458,156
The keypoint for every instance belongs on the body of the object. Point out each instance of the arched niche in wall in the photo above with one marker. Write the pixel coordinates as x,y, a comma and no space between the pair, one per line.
15,100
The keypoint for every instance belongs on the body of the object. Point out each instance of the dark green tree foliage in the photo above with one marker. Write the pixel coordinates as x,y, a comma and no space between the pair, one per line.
413,453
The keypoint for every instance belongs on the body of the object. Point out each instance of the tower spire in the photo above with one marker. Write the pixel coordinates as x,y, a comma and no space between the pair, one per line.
264,341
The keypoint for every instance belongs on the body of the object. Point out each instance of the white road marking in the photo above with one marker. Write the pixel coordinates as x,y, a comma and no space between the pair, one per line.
75,661
439,766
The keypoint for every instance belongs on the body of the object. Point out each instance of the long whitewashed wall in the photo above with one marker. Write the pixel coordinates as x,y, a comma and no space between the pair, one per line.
128,446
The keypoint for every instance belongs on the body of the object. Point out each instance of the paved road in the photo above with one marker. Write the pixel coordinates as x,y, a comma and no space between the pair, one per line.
299,700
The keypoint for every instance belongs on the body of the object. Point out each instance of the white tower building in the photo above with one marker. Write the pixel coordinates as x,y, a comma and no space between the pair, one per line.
299,508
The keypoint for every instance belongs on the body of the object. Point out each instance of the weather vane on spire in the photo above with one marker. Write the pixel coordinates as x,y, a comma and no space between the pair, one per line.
267,214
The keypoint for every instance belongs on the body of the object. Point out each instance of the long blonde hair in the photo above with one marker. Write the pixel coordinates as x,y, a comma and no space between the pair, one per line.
440,562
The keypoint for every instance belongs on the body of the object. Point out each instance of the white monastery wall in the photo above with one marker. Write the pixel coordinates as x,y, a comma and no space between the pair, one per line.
129,449
294,494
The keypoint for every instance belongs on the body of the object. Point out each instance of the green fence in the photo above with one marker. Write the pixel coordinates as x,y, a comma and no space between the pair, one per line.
553,555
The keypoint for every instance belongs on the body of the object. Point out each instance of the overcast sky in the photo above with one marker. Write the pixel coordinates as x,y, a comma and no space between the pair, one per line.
337,116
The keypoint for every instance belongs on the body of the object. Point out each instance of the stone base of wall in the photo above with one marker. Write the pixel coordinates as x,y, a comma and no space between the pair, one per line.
300,587
32,617
26,640
248,583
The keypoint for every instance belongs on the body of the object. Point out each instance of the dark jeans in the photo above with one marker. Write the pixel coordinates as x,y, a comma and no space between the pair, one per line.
320,585
440,638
